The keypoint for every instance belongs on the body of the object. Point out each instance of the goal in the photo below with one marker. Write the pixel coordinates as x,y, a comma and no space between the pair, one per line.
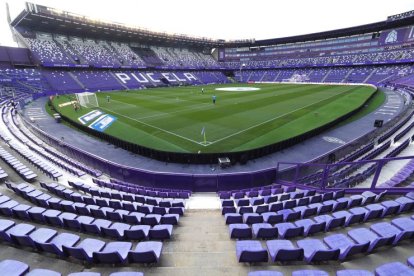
87,99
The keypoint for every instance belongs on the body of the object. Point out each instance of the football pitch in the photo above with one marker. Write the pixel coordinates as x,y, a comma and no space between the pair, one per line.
183,119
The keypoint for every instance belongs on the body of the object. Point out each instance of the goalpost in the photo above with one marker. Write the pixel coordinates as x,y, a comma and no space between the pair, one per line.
87,99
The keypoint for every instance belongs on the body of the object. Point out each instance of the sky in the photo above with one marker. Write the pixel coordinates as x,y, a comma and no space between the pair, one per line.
223,19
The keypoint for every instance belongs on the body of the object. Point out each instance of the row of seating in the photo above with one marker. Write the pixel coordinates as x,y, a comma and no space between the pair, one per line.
275,212
310,226
34,144
256,191
333,247
17,268
388,269
125,196
46,201
87,224
143,207
21,169
70,245
143,190
36,161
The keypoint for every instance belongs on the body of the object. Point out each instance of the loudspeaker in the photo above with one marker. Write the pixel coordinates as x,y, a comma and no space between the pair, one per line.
378,123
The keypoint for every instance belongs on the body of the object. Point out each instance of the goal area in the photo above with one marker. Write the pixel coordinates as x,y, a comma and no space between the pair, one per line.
87,99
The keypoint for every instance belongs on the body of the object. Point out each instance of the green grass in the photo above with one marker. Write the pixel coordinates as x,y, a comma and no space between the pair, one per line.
171,119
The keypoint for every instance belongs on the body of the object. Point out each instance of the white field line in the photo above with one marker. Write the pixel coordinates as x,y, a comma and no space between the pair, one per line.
197,106
160,129
271,119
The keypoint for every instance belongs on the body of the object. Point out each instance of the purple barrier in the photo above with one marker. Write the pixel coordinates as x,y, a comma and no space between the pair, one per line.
193,182
354,177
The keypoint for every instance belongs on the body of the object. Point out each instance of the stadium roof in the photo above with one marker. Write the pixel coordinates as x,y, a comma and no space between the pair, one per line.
46,19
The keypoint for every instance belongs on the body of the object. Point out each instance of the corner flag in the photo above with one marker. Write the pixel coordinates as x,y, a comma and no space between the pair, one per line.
203,133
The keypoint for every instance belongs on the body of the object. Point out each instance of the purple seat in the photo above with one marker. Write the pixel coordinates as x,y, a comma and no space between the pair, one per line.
289,230
55,246
284,251
385,229
272,217
289,215
306,211
5,224
13,268
264,231
404,223
233,218
126,273
77,222
349,217
363,235
20,211
17,230
265,273
95,226
113,253
52,217
240,231
151,219
406,204
38,235
322,209
374,211
36,214
354,272
251,218
160,232
133,218
6,207
115,230
392,269
43,272
84,250
311,227
316,251
369,197
410,261
250,252
309,272
137,232
346,246
391,207
146,252
331,222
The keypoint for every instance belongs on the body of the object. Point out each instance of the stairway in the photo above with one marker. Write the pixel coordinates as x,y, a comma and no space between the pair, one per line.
77,81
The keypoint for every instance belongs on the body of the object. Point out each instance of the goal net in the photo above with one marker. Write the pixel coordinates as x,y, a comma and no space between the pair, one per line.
87,99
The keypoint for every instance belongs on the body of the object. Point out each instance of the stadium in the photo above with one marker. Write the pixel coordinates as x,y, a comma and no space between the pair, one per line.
130,151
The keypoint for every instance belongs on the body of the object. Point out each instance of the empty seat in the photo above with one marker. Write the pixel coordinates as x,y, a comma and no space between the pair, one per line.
55,246
13,268
250,252
240,231
363,235
392,269
84,250
113,253
346,246
289,230
264,231
385,229
146,252
316,251
284,251
311,227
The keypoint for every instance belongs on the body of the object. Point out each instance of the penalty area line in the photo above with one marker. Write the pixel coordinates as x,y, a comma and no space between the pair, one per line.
155,127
